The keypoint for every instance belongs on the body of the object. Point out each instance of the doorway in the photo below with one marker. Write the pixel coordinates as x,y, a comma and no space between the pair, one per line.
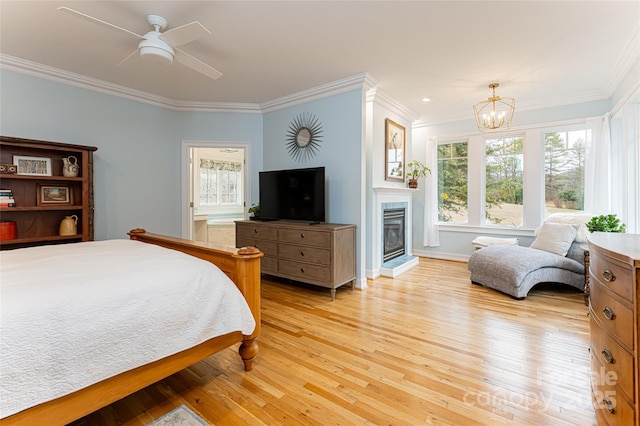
216,189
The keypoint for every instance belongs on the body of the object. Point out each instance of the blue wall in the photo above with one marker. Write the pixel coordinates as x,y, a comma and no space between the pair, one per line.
138,162
340,151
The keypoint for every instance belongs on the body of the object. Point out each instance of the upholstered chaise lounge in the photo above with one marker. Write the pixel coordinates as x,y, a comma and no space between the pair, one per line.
514,270
557,255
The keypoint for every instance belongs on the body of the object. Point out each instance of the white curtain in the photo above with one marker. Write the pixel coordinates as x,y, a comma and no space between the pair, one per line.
431,234
612,170
598,182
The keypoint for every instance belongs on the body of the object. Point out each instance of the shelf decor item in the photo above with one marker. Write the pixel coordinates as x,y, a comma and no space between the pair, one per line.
32,166
70,167
416,170
394,151
54,194
8,169
7,230
69,225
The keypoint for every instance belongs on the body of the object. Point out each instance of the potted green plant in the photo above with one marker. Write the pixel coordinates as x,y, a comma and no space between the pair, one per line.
606,223
416,170
254,211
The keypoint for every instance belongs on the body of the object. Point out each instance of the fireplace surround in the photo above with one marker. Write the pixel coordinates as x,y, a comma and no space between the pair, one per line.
390,198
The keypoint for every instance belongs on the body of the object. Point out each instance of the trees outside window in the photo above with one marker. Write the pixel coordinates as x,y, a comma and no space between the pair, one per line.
504,181
564,157
452,182
481,179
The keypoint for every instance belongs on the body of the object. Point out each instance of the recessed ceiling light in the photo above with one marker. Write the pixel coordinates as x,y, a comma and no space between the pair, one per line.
426,99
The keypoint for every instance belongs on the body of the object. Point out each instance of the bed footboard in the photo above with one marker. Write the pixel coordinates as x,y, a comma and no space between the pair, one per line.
241,265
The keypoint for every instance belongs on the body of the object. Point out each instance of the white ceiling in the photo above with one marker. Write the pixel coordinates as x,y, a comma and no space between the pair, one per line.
542,53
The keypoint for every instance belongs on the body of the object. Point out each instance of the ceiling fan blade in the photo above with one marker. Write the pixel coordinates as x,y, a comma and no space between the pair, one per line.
184,34
97,21
197,65
128,56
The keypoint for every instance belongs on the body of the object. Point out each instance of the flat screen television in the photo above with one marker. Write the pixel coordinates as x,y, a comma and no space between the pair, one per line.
296,194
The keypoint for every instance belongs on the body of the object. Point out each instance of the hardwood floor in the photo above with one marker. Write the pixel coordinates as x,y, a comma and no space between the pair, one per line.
427,347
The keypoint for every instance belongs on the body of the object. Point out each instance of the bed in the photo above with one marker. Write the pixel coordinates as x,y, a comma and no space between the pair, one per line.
96,324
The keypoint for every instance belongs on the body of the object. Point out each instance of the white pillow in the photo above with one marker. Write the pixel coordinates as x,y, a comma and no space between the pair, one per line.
555,238
573,219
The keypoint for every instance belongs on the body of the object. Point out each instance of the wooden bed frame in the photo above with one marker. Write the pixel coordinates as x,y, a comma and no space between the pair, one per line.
241,265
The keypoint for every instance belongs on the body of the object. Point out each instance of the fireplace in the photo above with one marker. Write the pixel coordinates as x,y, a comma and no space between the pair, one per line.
390,253
393,239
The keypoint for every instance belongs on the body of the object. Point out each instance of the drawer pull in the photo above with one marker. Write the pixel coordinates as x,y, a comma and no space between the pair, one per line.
608,313
301,253
608,276
608,356
302,235
609,405
255,231
302,270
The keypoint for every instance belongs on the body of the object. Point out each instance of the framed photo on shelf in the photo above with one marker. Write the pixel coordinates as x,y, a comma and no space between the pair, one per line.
394,151
32,166
49,195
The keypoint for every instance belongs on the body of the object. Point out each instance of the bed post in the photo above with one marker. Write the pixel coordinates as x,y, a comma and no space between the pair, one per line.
250,287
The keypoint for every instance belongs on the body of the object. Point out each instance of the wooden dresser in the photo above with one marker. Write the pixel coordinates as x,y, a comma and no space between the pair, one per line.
614,270
321,254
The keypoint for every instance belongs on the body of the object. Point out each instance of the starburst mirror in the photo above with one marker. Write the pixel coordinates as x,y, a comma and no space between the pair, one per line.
304,136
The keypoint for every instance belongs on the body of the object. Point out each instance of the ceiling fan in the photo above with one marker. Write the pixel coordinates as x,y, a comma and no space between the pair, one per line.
162,47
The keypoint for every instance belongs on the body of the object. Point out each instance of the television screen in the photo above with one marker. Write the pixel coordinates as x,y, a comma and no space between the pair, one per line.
296,194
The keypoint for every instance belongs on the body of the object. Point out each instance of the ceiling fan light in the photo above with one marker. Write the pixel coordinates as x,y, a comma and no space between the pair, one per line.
156,51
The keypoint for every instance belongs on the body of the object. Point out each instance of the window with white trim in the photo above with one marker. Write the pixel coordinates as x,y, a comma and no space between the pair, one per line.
452,182
504,183
220,182
564,163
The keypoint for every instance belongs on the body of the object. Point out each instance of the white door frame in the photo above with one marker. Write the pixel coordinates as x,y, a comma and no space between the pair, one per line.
187,211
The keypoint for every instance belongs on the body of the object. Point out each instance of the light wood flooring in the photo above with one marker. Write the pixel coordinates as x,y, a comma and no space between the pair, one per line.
427,347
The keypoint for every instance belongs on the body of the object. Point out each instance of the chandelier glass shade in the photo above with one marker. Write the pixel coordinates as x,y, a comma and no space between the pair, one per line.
495,112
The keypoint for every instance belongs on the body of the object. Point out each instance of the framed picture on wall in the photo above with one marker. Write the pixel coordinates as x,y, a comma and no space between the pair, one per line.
394,151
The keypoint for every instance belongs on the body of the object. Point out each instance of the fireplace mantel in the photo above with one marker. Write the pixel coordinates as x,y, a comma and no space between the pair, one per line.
394,189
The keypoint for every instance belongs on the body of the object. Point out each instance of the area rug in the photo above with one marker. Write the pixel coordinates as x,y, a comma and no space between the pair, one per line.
181,416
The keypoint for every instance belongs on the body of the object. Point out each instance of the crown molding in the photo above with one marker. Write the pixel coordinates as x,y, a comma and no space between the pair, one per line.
46,72
23,66
349,84
379,97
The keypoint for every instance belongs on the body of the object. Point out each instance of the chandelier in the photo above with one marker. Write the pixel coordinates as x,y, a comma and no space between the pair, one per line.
495,112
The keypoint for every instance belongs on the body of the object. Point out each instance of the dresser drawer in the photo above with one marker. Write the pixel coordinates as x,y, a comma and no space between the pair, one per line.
305,272
269,248
303,236
305,254
615,316
259,232
607,399
613,276
617,362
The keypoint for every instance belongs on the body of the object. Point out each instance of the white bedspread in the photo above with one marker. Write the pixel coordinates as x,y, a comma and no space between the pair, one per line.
75,314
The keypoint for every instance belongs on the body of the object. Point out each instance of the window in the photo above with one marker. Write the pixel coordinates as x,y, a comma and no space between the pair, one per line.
452,182
504,181
564,161
219,182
